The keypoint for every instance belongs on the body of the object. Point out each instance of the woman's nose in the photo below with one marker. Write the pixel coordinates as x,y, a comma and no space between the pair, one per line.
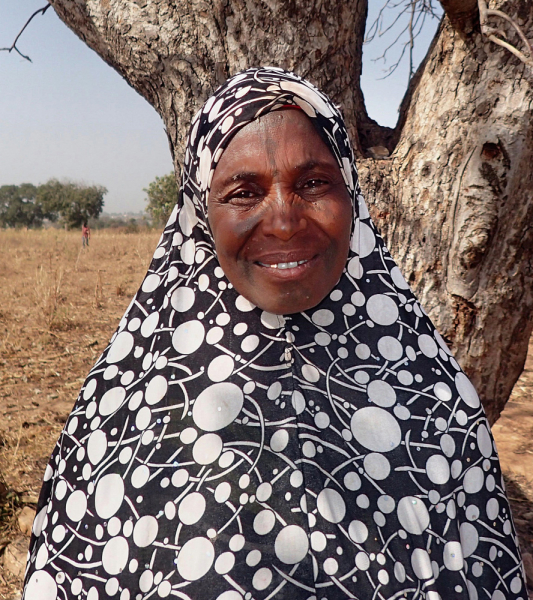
285,217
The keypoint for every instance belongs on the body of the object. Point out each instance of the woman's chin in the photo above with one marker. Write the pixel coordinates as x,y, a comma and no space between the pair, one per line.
288,297
286,304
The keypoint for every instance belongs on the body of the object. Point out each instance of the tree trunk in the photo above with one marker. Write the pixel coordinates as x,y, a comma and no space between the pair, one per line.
455,199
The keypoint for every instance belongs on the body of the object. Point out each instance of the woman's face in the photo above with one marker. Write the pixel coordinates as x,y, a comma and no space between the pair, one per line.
280,214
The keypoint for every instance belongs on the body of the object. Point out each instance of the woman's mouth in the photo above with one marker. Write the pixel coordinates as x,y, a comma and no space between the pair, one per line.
284,265
286,270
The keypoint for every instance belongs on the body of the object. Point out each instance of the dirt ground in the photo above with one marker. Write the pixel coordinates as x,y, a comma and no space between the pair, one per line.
59,305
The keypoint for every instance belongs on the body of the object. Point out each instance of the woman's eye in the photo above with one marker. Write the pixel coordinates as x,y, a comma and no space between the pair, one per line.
242,196
314,183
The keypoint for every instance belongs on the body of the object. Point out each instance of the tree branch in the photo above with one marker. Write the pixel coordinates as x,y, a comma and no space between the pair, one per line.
484,15
13,46
411,38
415,11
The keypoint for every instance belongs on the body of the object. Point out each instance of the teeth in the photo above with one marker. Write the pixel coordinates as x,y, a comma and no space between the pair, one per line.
287,265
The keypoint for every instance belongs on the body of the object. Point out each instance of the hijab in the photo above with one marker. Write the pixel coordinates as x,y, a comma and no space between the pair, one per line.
217,451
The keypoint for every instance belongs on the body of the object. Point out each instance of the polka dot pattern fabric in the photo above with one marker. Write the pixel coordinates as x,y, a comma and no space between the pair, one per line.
220,452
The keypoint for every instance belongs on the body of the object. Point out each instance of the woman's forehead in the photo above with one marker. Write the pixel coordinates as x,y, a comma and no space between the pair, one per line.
286,134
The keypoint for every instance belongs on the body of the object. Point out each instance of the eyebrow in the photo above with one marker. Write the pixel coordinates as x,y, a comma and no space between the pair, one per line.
252,176
312,164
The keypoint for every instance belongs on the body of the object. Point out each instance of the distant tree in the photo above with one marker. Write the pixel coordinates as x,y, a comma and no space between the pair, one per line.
73,203
162,196
20,207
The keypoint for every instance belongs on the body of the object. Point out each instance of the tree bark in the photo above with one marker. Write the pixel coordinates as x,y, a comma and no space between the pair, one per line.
454,201
462,14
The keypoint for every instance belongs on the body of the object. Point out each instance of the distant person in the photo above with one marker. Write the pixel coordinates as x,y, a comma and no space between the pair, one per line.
85,234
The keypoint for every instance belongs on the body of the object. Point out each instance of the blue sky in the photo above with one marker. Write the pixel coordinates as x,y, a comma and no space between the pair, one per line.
69,115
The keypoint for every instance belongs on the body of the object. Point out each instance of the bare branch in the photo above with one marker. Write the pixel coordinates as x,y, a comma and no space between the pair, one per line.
13,46
383,57
396,19
375,27
411,38
525,59
485,14
393,67
415,11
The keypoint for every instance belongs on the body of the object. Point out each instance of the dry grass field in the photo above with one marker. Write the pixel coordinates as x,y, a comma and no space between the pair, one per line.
59,305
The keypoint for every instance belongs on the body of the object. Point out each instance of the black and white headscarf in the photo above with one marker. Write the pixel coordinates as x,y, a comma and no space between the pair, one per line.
219,452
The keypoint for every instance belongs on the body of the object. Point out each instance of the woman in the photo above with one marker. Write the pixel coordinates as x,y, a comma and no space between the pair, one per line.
276,417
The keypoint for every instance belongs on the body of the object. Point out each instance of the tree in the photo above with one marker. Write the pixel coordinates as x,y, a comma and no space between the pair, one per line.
73,203
162,196
28,205
453,201
19,206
